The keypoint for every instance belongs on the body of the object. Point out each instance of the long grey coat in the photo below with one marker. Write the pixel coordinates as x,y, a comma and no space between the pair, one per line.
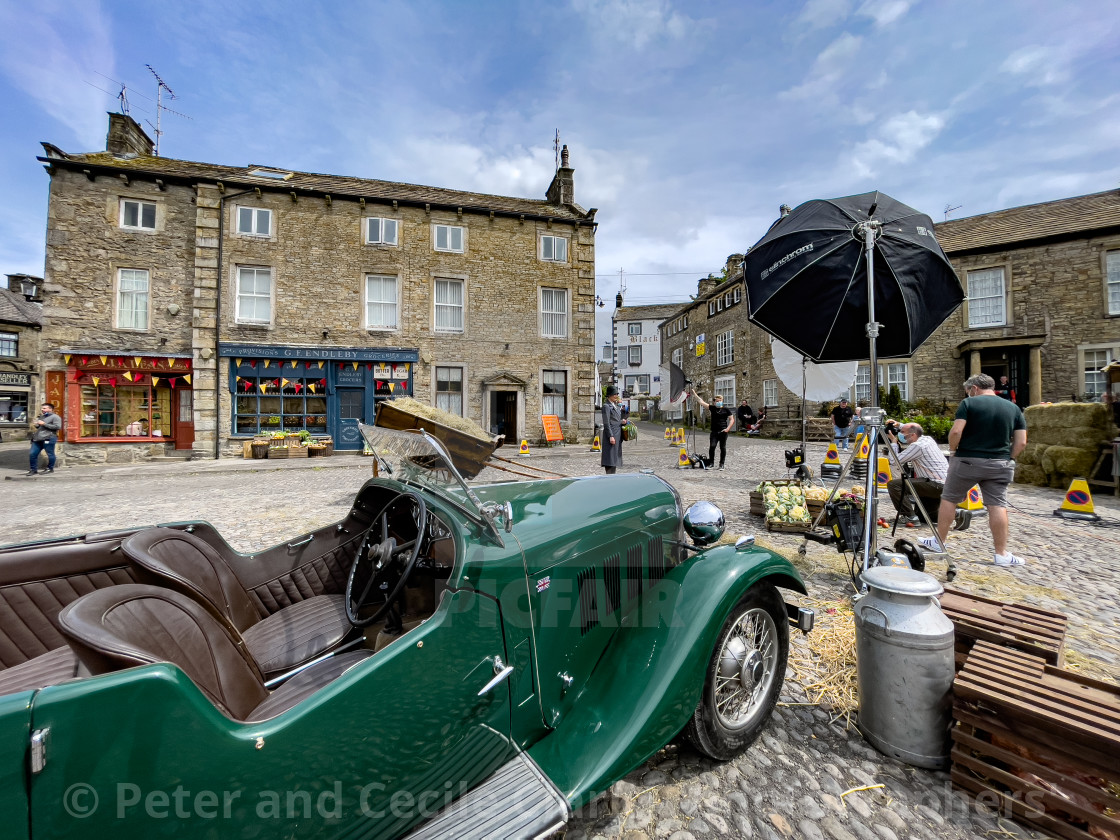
612,427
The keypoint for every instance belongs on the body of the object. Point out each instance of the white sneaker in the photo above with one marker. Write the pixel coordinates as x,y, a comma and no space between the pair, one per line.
930,544
1008,559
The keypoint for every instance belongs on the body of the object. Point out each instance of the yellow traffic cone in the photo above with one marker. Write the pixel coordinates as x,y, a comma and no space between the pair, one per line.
680,437
863,447
832,456
524,448
682,459
1078,503
974,500
666,433
595,447
883,473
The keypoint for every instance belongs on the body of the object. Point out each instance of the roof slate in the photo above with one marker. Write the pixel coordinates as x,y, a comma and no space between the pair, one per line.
16,309
1063,217
326,184
657,311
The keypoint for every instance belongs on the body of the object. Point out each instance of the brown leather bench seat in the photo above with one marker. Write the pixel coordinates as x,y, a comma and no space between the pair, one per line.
137,624
50,668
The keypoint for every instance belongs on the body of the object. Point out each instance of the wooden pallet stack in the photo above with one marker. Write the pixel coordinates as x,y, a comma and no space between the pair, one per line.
1037,742
1017,626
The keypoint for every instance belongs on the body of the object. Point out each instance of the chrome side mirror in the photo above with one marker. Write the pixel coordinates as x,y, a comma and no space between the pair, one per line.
704,523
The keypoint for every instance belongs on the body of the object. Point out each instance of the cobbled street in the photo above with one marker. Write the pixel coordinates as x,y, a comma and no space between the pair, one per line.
803,777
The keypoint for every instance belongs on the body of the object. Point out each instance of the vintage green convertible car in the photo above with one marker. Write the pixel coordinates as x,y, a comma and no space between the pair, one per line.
446,661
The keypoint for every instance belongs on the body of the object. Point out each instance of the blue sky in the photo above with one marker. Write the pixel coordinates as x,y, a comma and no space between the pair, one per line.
688,123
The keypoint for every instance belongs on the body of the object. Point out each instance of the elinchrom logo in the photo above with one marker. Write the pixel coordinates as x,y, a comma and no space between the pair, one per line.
803,249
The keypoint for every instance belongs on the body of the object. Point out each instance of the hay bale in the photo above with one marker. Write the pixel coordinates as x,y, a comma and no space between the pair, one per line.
1028,474
1087,436
453,421
1032,455
1068,415
1067,462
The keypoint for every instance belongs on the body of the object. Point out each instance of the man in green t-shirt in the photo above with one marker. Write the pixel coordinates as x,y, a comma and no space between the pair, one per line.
988,434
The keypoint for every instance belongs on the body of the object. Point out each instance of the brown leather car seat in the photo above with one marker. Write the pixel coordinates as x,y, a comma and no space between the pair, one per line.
279,642
137,624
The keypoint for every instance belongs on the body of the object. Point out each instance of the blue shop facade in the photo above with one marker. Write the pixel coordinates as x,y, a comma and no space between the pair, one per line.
325,390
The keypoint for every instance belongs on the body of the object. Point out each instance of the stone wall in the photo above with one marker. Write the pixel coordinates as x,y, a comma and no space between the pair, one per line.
319,261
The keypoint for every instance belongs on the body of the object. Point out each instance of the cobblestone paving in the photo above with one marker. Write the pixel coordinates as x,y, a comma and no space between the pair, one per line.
798,779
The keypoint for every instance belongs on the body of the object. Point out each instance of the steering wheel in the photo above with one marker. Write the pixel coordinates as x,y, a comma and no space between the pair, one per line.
386,564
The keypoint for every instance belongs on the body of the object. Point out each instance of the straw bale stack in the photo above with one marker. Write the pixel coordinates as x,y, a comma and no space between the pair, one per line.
1063,440
454,421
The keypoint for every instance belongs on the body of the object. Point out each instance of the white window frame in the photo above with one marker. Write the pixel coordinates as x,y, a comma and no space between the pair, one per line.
140,205
445,399
449,233
725,348
634,351
548,400
9,338
554,312
1112,282
1110,352
981,310
738,294
677,357
386,231
553,248
257,213
724,386
898,373
143,311
448,307
634,328
769,393
386,281
636,383
862,385
257,270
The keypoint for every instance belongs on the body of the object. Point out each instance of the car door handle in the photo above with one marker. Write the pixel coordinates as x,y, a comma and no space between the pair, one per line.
501,672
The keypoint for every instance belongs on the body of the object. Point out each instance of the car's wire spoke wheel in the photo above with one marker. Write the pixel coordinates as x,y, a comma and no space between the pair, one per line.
743,677
746,667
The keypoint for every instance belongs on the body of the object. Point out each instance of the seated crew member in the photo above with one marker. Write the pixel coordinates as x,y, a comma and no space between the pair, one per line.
754,428
744,416
928,463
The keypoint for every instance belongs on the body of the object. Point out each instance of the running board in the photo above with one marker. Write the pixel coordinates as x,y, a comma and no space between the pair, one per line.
517,802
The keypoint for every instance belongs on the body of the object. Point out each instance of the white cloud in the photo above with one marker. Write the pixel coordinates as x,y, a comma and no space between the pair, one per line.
635,22
828,68
49,51
884,12
900,138
1041,65
818,14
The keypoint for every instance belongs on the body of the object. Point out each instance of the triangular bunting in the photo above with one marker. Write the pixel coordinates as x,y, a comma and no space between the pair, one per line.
355,365
320,365
155,380
188,378
390,387
137,360
263,386
266,362
66,359
104,360
96,380
238,361
253,363
284,382
299,387
294,363
311,387
128,375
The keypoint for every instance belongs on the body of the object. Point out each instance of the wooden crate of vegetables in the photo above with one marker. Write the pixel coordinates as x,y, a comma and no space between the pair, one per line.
785,506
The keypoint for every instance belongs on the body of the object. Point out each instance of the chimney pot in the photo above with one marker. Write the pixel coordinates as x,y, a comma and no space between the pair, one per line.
564,156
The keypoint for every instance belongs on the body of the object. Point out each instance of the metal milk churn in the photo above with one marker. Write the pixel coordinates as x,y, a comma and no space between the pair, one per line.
904,661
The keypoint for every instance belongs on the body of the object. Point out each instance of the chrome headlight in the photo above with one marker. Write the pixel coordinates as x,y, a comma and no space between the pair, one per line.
703,522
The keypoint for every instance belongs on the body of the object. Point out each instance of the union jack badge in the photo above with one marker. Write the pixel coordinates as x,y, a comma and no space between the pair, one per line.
543,583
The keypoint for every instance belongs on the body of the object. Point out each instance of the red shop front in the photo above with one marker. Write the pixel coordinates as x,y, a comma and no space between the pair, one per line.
116,398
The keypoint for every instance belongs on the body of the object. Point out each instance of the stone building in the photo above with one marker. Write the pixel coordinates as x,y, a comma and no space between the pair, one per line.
190,305
1043,308
719,350
21,391
636,351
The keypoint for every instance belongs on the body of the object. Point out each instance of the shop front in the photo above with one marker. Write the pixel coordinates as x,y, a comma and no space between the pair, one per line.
112,398
325,391
16,407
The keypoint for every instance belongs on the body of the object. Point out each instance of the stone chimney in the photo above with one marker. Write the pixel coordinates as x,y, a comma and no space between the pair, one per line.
127,137
733,266
562,190
706,286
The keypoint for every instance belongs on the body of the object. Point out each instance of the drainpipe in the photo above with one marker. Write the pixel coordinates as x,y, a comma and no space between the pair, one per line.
218,322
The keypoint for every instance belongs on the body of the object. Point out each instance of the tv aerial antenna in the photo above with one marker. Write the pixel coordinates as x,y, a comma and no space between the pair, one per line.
556,149
160,107
949,209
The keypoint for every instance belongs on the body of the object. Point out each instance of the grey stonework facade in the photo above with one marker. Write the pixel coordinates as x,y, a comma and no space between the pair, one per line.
245,265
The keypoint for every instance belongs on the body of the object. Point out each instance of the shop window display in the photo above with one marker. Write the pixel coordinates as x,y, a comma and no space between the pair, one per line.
112,411
262,405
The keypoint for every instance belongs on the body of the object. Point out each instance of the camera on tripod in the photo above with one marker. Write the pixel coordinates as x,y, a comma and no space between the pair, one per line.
891,427
794,458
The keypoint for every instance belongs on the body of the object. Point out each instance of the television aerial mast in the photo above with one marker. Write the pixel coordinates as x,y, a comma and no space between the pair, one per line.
160,107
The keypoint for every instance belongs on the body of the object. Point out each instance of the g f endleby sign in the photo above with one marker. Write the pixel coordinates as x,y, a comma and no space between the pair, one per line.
23,379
